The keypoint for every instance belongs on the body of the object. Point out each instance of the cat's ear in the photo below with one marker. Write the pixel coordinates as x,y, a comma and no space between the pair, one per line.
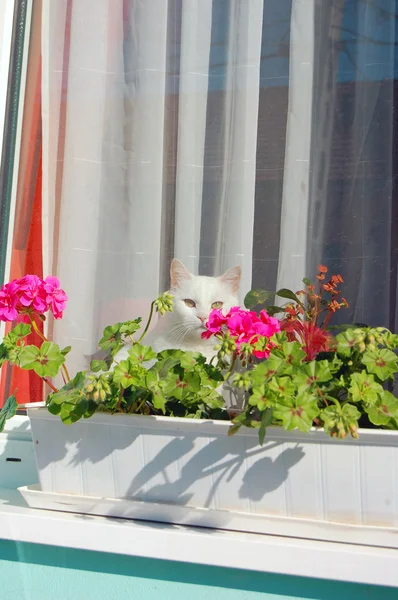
232,278
178,273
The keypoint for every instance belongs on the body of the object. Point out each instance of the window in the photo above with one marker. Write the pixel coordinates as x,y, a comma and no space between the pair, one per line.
259,133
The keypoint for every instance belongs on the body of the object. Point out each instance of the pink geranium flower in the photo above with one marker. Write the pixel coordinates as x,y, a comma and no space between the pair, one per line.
244,326
32,293
9,301
55,297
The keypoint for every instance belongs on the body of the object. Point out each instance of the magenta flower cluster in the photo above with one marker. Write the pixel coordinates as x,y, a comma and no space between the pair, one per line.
244,326
31,294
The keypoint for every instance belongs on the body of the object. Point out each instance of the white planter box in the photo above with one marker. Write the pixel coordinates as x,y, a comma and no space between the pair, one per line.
187,463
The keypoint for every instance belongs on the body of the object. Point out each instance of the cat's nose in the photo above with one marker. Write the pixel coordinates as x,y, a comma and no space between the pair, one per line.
202,318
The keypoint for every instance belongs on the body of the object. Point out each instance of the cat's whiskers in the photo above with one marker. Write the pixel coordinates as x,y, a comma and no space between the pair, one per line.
177,332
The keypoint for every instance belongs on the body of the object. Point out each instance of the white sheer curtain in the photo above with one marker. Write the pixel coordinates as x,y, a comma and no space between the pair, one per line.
216,131
292,264
118,76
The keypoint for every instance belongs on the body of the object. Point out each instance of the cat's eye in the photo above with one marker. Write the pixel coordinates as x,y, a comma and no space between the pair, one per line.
190,303
217,304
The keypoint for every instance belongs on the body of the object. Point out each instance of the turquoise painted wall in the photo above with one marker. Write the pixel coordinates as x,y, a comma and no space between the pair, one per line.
34,572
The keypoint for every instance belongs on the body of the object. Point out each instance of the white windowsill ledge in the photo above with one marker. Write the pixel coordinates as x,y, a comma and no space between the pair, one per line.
265,553
272,554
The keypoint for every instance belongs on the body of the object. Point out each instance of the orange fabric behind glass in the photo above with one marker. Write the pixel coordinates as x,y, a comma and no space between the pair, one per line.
26,250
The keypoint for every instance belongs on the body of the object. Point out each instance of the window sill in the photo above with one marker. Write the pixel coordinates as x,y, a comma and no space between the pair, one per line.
272,554
264,553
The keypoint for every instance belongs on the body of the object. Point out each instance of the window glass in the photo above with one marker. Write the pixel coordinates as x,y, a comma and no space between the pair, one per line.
257,133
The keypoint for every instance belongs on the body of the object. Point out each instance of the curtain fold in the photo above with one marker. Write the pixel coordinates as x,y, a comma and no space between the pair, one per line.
292,265
196,19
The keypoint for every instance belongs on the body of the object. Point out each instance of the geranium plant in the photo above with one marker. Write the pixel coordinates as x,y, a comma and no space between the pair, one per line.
296,372
178,384
314,378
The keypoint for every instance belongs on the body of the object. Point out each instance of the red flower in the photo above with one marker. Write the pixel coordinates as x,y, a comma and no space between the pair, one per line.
333,305
322,269
329,287
337,279
344,302
313,339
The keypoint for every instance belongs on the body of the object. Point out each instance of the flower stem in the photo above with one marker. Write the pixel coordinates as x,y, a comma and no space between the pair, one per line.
148,322
119,404
54,389
66,372
37,330
230,370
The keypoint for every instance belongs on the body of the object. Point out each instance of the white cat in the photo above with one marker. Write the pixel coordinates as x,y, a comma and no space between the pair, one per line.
194,297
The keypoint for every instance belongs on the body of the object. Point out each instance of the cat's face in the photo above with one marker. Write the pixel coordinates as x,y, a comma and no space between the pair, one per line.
196,296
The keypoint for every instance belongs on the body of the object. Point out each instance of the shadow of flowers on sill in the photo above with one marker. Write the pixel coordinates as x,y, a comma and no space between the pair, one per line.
218,462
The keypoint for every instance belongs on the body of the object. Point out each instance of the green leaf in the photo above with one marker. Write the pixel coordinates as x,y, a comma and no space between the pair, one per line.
127,375
66,350
240,419
70,413
111,337
335,364
266,419
71,396
190,359
293,353
261,396
384,409
212,399
382,363
28,357
174,386
282,385
130,327
312,372
274,310
3,354
364,388
285,293
8,411
297,412
194,381
346,342
234,429
306,281
257,297
22,330
45,361
141,353
274,365
78,380
159,401
98,365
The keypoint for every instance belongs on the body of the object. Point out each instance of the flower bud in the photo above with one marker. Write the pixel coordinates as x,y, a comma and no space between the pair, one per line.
102,394
96,396
354,431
